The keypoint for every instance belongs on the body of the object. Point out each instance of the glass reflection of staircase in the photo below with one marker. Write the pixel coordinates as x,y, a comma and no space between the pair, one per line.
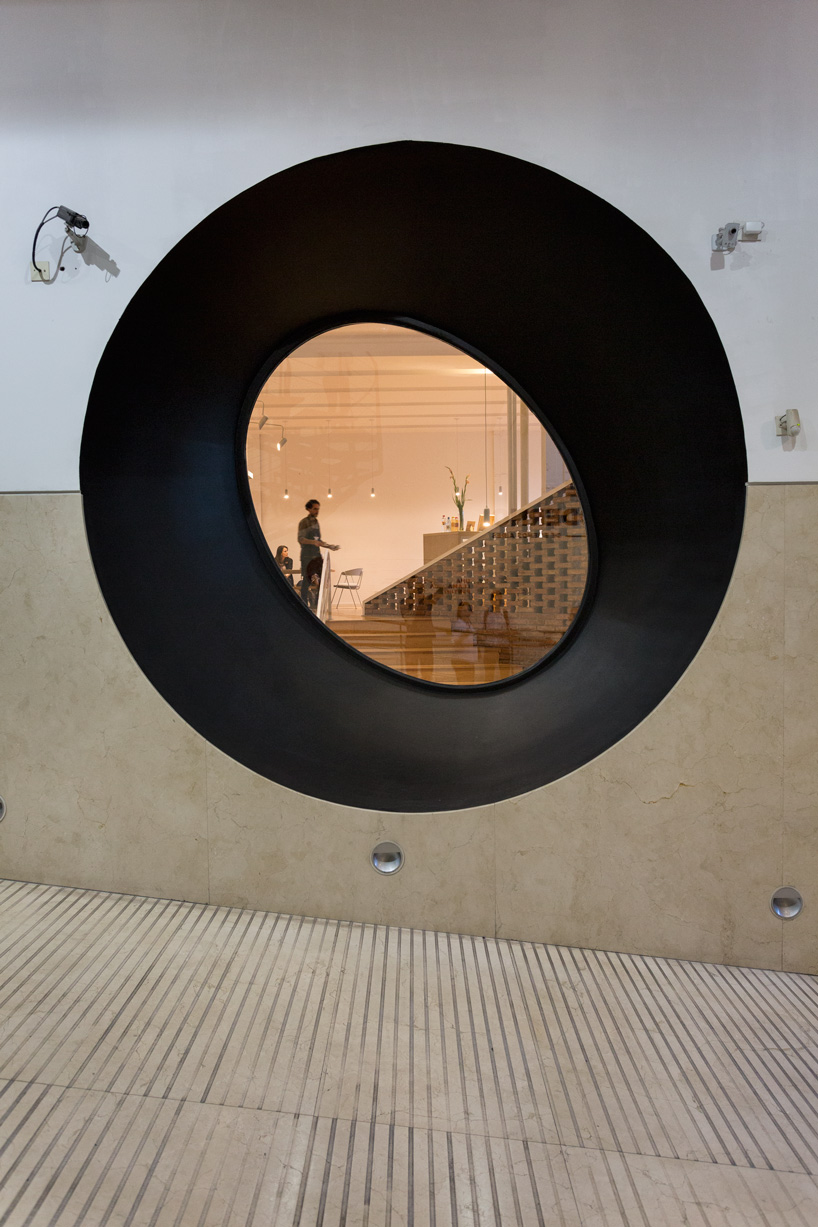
414,646
530,568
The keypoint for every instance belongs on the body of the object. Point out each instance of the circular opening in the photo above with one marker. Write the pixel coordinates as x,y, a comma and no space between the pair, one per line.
2,809
415,505
458,242
787,902
387,857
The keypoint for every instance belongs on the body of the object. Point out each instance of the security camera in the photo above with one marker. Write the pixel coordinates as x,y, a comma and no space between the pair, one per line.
75,220
727,237
732,233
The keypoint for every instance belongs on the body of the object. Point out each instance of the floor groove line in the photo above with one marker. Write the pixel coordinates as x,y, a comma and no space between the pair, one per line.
173,1064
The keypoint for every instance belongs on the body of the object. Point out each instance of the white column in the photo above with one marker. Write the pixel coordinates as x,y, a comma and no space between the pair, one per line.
511,449
524,461
544,444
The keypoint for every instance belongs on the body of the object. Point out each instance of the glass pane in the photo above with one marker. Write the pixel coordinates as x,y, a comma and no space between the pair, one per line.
444,537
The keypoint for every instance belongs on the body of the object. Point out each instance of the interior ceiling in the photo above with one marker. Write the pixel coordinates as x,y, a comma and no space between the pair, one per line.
381,374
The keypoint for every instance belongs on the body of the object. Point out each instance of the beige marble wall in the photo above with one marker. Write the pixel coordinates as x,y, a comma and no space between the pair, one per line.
670,843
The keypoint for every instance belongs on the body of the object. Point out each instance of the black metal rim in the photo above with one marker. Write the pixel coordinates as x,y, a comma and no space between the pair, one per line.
264,546
574,306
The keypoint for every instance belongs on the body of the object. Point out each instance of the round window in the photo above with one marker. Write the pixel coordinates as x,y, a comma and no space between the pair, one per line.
581,315
415,505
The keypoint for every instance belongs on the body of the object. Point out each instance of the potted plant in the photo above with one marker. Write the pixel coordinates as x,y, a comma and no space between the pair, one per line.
459,498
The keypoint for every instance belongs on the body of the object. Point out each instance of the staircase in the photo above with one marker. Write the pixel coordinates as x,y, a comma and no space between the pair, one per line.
535,561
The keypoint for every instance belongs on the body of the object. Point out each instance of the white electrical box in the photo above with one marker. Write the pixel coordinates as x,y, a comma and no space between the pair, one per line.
43,273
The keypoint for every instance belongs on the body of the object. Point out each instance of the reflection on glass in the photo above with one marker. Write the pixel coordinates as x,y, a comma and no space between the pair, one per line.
416,506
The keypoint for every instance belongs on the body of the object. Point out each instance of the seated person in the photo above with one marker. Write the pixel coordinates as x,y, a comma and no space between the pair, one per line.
286,563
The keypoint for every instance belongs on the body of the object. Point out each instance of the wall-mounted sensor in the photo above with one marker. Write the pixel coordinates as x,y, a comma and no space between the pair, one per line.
732,233
788,423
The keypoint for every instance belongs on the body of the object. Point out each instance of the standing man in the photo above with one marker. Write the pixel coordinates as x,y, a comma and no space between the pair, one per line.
309,538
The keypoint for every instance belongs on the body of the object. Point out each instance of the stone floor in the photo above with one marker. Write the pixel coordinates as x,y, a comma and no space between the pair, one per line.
168,1063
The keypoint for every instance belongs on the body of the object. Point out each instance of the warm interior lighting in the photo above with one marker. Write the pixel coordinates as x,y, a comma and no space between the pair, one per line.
249,474
391,408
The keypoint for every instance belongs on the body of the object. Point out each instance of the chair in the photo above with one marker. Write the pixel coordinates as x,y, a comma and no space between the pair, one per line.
350,581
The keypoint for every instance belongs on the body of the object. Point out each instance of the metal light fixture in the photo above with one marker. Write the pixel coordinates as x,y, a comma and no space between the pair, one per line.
263,423
787,903
387,857
286,493
486,517
372,492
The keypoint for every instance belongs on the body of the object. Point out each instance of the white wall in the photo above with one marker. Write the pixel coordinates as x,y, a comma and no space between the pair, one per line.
382,535
147,116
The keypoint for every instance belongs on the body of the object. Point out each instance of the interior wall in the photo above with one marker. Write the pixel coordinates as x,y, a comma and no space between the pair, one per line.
378,415
384,534
671,842
146,116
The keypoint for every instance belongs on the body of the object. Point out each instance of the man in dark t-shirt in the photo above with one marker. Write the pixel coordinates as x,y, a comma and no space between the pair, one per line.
309,538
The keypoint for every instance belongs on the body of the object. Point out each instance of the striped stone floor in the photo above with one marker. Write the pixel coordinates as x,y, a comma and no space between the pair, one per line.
168,1063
